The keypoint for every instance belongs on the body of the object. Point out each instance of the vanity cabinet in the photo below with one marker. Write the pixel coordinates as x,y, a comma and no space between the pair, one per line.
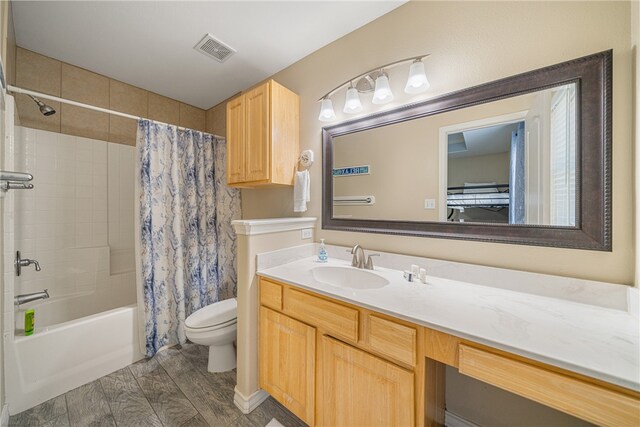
287,362
366,372
338,364
263,136
359,389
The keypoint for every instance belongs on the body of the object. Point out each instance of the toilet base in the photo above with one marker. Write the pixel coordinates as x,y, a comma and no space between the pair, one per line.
222,358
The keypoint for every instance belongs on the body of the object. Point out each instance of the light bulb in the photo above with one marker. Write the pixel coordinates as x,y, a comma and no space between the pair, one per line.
383,93
352,102
326,111
417,81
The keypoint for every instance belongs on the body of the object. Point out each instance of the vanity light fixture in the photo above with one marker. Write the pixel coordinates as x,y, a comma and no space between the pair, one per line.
383,93
352,102
377,81
417,81
326,111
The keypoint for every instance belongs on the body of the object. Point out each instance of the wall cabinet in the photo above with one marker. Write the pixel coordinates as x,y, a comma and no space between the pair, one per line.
337,364
263,136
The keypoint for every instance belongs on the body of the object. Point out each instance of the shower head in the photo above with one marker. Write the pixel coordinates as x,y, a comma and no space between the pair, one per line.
45,109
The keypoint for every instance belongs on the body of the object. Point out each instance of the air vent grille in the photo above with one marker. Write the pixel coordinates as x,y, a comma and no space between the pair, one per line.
214,48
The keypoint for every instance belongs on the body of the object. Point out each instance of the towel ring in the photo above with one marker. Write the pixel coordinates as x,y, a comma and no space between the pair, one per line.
306,159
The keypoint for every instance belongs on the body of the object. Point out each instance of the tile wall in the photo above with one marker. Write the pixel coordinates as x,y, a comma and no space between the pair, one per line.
65,222
48,75
120,177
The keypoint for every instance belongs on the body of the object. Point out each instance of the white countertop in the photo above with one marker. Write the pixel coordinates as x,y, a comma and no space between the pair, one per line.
599,342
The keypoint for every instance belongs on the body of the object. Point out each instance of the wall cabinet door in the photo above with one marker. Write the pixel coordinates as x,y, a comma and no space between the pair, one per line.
258,137
287,362
358,389
236,140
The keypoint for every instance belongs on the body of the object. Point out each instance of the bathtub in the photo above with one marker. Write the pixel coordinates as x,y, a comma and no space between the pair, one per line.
64,353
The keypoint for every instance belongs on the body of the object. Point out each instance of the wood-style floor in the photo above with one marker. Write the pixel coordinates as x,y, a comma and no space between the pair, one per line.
173,389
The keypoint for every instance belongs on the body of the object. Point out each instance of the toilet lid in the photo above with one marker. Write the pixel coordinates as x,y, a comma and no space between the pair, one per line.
214,314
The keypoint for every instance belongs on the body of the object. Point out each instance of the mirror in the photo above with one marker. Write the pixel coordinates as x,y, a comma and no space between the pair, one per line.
510,161
499,162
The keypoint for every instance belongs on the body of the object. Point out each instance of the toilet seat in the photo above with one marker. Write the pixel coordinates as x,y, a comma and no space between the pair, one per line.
214,316
231,322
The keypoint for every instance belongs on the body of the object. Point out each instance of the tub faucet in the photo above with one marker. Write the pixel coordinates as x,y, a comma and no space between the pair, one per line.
25,262
22,299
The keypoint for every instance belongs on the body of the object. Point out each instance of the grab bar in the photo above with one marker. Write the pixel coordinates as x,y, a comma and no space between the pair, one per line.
10,185
14,181
15,176
354,200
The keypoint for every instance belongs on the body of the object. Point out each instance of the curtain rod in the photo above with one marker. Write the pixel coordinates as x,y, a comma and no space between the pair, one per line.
15,89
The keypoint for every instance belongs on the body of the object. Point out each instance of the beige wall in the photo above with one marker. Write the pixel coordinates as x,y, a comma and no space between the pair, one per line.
491,40
482,169
48,75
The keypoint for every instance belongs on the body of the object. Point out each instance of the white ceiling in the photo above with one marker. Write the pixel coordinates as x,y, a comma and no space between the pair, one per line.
149,44
483,141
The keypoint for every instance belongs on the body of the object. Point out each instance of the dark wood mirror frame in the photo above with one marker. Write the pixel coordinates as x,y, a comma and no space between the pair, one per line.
592,75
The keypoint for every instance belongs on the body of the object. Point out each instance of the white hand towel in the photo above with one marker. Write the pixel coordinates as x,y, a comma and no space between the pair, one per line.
301,191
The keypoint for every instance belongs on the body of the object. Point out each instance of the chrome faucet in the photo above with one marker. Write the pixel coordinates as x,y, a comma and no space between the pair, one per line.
357,261
22,299
25,262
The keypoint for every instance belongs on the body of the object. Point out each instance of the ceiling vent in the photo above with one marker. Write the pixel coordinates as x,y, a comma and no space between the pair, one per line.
214,48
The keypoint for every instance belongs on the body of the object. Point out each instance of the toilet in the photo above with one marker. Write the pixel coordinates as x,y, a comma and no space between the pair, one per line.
215,327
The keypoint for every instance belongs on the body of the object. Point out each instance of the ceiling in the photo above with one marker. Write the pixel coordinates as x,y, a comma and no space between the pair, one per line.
149,44
483,141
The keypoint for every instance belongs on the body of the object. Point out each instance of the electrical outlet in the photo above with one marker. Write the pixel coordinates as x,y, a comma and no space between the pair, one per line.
307,233
429,203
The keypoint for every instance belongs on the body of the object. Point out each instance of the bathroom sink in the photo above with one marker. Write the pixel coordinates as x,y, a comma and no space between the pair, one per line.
348,277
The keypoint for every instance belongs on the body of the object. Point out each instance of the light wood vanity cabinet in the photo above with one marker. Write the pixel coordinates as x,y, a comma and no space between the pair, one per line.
287,362
365,372
263,136
337,364
359,389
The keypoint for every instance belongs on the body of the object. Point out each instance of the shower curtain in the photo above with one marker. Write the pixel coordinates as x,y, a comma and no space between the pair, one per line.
185,245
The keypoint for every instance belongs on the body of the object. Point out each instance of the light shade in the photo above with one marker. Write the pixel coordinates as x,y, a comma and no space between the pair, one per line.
417,81
326,111
352,102
383,93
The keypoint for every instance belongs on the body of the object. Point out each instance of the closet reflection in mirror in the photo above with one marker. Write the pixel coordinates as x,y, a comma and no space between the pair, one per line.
511,161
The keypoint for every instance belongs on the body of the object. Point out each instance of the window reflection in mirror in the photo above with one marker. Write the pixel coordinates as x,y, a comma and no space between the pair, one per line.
511,161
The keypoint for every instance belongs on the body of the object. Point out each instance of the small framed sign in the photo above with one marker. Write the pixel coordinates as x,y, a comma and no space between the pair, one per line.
352,170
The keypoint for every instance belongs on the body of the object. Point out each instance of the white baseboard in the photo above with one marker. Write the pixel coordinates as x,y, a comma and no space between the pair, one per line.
248,404
453,420
4,419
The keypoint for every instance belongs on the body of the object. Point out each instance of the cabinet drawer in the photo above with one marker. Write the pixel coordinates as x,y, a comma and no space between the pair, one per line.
392,339
270,294
334,318
580,398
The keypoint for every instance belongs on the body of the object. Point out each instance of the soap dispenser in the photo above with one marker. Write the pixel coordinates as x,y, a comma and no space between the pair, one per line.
322,253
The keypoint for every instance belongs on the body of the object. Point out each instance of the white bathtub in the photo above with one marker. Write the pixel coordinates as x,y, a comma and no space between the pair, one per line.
62,356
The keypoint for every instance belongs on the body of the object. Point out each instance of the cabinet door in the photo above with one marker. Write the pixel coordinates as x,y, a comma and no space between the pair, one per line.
236,144
258,128
287,362
358,389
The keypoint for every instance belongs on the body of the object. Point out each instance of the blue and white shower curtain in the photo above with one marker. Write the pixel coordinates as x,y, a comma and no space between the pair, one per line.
185,245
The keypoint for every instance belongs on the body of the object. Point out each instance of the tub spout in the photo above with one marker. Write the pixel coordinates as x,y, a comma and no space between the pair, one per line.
22,299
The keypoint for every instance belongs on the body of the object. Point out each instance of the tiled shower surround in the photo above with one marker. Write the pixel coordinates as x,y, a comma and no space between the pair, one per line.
78,220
